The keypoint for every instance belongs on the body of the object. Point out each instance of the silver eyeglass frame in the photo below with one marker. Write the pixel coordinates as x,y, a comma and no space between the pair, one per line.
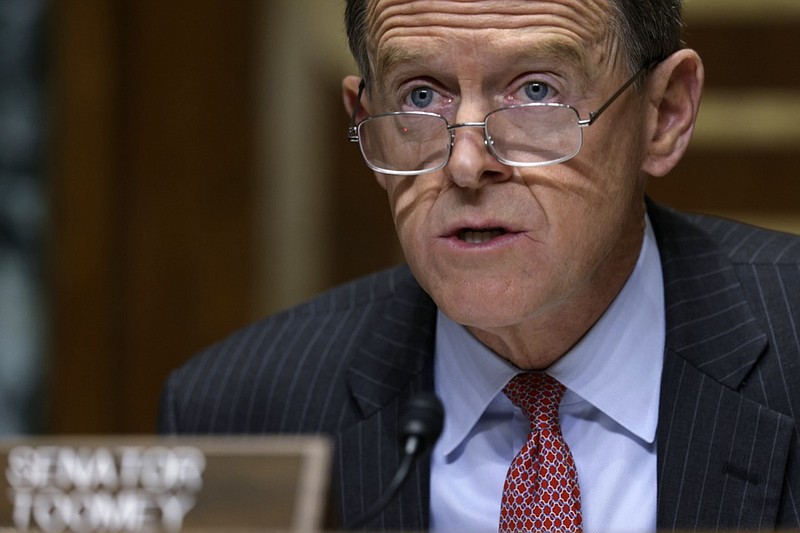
353,130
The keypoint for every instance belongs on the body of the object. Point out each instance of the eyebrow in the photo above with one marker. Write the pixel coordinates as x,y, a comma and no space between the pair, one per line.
391,56
558,50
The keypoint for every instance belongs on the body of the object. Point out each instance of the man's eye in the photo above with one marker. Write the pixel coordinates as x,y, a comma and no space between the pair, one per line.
421,97
537,91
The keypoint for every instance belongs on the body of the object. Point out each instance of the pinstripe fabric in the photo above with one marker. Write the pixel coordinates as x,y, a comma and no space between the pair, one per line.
727,440
344,363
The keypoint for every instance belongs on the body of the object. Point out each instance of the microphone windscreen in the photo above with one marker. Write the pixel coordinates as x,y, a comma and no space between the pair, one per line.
423,419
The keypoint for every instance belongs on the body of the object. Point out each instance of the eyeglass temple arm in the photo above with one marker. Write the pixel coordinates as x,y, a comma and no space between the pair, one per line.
594,115
352,130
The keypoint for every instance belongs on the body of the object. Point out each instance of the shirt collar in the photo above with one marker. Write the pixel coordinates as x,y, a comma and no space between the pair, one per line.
616,366
468,377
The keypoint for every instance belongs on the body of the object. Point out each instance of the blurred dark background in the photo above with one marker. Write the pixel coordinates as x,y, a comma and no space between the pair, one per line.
170,171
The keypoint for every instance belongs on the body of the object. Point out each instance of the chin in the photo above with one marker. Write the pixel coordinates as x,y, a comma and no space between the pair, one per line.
481,309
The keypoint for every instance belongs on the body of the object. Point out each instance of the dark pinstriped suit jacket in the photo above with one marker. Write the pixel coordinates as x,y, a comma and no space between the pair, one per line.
343,364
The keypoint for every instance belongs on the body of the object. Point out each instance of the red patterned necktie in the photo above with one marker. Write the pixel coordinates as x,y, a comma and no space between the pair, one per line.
541,491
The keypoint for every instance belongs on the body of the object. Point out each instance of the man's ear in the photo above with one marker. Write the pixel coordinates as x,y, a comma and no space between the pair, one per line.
350,87
350,94
673,91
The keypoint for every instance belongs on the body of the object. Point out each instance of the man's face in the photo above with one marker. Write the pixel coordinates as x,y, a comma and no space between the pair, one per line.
498,247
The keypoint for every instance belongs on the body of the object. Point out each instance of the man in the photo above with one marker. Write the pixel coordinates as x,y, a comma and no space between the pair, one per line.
514,139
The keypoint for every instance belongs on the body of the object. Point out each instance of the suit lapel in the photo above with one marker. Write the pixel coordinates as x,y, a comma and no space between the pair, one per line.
720,455
394,359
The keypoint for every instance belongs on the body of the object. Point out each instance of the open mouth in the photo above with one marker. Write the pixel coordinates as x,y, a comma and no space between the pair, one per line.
480,236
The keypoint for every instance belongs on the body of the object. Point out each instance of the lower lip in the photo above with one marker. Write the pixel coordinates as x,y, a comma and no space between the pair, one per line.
501,241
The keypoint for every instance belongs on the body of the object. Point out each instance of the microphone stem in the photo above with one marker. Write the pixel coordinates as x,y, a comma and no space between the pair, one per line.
391,490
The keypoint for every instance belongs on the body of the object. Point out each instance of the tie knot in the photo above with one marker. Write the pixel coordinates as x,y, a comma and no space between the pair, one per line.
537,394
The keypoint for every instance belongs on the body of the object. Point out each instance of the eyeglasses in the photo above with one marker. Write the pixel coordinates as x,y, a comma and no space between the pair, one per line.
527,135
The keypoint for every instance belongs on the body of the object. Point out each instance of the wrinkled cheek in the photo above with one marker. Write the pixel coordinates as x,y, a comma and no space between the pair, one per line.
402,199
410,232
411,204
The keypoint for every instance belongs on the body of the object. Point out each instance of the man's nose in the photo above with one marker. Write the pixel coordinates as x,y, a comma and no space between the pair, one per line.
471,164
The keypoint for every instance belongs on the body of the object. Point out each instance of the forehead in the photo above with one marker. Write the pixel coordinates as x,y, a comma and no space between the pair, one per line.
407,30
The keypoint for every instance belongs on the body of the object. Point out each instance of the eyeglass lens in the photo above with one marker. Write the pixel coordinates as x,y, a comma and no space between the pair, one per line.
405,141
534,135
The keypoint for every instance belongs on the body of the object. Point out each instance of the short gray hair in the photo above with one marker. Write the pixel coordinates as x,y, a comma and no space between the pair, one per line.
649,30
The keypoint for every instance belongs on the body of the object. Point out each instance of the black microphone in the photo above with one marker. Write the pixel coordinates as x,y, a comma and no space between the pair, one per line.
420,427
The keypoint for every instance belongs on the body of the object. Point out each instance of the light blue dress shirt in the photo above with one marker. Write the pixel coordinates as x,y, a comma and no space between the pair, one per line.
608,414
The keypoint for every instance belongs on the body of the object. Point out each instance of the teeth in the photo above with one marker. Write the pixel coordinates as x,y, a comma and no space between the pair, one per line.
479,237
